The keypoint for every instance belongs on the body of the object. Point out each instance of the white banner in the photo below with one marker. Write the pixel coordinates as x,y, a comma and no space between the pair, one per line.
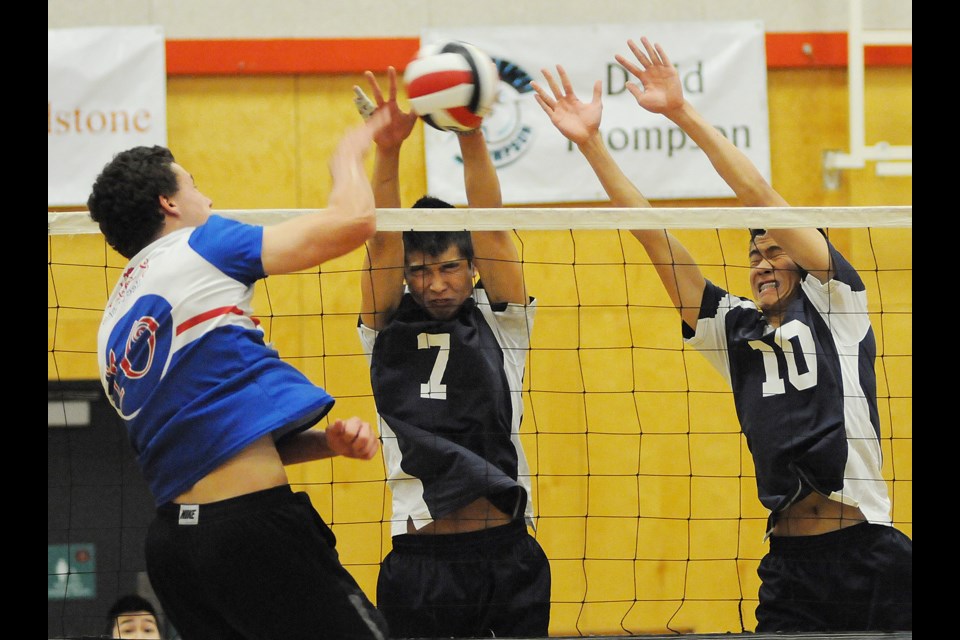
106,92
724,73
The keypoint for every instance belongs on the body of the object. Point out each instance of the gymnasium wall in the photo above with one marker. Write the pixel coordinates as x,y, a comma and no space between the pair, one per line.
209,19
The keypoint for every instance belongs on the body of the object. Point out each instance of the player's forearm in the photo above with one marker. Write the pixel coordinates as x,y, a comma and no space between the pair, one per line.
679,273
304,447
386,178
479,174
306,241
621,191
807,247
736,169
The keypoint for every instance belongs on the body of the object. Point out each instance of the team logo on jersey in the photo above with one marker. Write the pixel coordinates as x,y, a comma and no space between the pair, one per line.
137,352
129,283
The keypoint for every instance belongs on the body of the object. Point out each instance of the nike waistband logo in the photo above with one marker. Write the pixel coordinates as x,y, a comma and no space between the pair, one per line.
189,514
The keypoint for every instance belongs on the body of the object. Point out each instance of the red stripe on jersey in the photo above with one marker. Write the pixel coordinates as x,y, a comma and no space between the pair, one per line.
203,317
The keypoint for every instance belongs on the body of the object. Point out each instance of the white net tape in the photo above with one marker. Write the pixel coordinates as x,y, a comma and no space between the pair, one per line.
79,222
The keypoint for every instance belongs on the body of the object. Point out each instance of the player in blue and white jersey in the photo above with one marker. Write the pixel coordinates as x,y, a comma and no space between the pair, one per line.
800,362
211,410
446,366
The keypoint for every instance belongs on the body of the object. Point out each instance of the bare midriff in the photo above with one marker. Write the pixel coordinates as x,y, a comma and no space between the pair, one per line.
814,515
476,516
255,468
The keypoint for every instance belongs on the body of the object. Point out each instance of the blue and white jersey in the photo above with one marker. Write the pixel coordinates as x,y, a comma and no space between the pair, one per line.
183,360
805,393
449,401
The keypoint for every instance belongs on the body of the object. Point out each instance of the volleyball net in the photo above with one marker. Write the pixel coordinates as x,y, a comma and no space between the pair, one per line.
644,488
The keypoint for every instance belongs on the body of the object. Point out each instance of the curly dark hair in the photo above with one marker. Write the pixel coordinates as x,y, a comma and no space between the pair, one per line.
125,197
433,243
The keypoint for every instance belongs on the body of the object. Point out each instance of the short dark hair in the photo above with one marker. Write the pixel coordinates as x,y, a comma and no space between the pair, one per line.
429,202
759,232
433,243
128,604
125,199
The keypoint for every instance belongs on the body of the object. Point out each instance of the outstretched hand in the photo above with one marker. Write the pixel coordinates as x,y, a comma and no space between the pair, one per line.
401,122
352,438
662,91
575,119
346,163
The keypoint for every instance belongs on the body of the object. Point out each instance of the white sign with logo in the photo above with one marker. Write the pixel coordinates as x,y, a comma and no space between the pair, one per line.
723,69
106,92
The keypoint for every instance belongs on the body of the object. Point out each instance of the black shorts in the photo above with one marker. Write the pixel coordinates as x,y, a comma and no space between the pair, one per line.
466,585
856,579
263,565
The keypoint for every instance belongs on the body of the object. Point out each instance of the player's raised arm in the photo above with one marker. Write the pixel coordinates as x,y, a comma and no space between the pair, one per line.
496,255
579,122
389,140
660,91
347,221
381,282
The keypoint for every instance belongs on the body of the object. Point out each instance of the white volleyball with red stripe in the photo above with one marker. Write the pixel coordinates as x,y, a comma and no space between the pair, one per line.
452,85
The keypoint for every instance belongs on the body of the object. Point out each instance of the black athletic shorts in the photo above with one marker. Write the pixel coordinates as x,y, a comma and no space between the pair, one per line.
263,565
490,583
856,579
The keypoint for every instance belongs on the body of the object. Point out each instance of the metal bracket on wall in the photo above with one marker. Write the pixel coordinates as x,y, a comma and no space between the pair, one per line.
831,176
891,160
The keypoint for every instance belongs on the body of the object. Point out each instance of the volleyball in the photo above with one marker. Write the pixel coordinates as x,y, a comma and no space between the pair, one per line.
451,85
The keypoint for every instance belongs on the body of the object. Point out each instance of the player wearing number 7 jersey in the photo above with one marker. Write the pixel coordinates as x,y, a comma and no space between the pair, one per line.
800,361
446,368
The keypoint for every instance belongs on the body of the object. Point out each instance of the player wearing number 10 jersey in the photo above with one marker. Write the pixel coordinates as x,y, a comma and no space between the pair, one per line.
813,369
800,362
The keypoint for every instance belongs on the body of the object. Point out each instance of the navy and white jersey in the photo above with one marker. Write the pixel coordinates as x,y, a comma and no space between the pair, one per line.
183,360
806,392
449,401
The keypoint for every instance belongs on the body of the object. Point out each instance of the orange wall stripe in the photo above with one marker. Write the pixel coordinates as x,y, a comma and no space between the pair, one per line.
251,57
816,50
356,55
